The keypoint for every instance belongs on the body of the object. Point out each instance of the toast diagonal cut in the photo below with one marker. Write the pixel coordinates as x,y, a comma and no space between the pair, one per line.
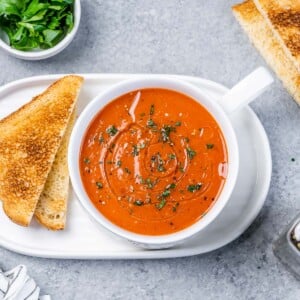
29,140
263,39
283,17
51,209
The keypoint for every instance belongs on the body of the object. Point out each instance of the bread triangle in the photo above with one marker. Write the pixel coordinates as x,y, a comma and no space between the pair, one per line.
262,37
283,17
51,210
29,140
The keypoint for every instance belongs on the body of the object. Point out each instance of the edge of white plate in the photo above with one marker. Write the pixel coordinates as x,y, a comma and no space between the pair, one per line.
147,254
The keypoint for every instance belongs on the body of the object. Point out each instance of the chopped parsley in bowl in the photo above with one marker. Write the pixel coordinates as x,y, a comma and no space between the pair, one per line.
37,29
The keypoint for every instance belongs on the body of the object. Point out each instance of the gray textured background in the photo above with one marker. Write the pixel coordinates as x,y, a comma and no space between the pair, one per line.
192,37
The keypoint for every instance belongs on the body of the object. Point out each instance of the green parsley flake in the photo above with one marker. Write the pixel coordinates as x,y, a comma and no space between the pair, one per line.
86,160
194,187
191,153
165,133
101,139
127,171
171,186
99,185
135,151
172,156
111,130
138,203
174,208
161,204
151,124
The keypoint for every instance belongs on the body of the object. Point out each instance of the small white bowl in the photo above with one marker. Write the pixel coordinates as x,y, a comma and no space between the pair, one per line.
43,53
92,109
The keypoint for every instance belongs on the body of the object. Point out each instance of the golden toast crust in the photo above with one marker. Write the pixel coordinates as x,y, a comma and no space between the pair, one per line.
264,40
283,17
51,210
29,140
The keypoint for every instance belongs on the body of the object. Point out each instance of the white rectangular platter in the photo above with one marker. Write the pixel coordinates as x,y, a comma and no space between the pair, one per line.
83,239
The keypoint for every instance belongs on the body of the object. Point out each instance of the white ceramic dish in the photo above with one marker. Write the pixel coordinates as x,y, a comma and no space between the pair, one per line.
84,239
43,54
92,109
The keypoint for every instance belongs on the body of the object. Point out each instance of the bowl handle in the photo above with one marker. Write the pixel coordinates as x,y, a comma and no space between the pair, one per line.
246,90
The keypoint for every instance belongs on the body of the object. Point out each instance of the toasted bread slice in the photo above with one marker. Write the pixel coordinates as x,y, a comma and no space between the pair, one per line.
262,37
51,210
29,140
283,17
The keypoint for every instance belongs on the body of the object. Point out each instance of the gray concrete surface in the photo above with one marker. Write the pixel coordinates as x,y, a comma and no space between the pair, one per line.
192,37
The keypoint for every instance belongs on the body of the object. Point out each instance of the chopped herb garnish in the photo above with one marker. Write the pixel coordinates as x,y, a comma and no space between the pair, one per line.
119,163
142,180
194,187
165,133
150,184
127,170
190,152
174,208
111,130
101,139
142,114
186,139
135,151
158,162
172,156
171,186
161,168
178,123
209,146
99,185
161,204
138,202
86,160
151,124
166,193
181,168
151,109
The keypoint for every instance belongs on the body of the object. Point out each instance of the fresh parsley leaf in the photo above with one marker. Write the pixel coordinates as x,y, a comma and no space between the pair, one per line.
36,24
165,133
138,202
111,130
161,204
190,153
99,185
194,187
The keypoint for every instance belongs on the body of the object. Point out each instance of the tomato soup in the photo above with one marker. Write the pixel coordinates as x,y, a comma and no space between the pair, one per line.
153,161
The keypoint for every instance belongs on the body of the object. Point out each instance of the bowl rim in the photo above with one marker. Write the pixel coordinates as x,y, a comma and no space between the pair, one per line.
100,101
46,53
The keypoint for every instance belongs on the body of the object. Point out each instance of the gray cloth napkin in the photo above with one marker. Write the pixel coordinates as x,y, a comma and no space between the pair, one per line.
15,284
